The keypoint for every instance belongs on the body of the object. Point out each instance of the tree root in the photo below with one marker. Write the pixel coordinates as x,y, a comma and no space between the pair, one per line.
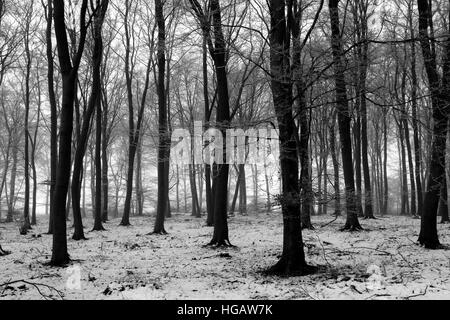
162,232
63,263
78,237
287,269
99,229
220,244
351,228
3,252
123,224
432,245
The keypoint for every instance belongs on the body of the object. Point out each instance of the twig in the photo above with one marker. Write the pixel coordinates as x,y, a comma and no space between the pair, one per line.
36,285
330,222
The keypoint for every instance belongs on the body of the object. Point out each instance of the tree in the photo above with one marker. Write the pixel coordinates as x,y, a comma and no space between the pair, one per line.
69,71
218,52
53,110
134,128
344,119
292,261
361,25
27,33
96,89
439,86
303,112
164,139
34,146
415,120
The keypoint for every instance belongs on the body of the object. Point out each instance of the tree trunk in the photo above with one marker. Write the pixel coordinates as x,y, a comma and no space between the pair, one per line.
357,151
334,157
134,133
164,140
242,190
105,182
26,211
60,255
344,119
195,206
385,160
96,87
12,183
255,186
443,204
266,177
440,100
138,180
292,260
415,120
236,192
53,111
178,188
33,156
404,171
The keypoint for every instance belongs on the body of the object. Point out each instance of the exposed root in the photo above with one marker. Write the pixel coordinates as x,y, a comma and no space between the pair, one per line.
3,252
158,233
125,224
78,237
370,218
352,228
220,244
63,263
285,268
98,229
432,245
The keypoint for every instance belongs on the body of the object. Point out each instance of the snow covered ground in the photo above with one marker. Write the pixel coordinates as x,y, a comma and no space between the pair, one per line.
382,262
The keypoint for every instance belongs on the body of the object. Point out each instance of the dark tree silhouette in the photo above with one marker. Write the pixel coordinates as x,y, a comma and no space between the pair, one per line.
344,119
292,260
218,52
69,71
164,139
439,90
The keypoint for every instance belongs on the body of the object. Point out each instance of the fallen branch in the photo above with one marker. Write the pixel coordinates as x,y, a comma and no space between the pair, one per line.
37,286
330,222
419,294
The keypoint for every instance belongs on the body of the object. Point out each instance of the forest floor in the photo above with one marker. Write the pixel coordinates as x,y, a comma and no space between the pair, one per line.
381,262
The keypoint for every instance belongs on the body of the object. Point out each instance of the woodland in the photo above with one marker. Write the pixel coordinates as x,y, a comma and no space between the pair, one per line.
348,201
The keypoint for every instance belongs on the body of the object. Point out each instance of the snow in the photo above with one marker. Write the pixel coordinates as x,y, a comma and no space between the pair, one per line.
381,262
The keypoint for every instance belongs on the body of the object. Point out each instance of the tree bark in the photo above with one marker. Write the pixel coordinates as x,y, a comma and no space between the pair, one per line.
164,139
292,260
334,157
415,120
53,111
440,104
26,211
69,72
344,119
